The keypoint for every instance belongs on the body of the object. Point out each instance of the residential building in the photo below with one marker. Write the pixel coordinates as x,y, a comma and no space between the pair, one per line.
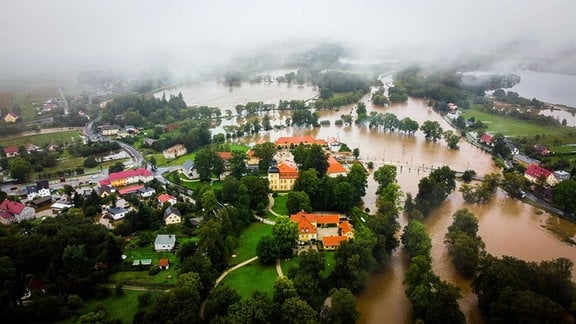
536,174
15,212
32,148
174,151
172,216
282,176
293,141
164,264
542,150
188,167
123,178
328,228
40,189
486,139
59,206
146,192
253,160
11,151
562,175
11,117
117,213
164,198
335,169
164,242
225,156
109,130
524,160
130,189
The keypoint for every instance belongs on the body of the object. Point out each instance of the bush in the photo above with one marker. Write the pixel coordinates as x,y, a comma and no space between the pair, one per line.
154,270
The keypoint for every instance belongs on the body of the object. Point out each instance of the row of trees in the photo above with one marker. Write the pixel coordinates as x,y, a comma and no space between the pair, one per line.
465,246
432,191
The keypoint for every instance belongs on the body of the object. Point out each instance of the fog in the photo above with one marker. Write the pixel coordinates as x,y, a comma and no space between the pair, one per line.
63,37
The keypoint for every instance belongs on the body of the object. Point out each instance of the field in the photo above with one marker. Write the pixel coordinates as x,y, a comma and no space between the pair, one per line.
512,127
117,307
67,136
252,277
248,241
280,205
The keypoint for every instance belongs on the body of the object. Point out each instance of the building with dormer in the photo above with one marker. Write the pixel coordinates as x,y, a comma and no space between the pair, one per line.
282,176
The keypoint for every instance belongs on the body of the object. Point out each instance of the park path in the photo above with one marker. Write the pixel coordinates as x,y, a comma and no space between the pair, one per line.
223,275
279,268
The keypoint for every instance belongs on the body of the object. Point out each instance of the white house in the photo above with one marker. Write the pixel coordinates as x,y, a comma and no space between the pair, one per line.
164,198
117,213
164,242
40,189
15,212
146,192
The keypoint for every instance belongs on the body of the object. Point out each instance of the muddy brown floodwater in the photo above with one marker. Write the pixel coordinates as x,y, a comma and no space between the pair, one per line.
507,226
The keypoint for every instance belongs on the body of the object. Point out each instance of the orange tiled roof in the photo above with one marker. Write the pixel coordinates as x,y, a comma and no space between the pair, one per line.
334,166
328,219
296,140
345,227
287,170
165,197
304,226
328,241
225,155
163,262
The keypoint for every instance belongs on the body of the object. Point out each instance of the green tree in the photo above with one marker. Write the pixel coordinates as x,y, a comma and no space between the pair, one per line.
267,250
19,168
285,233
283,290
256,309
432,130
341,308
90,162
116,167
238,164
297,201
311,157
220,299
343,196
416,240
358,178
563,196
384,175
307,182
451,139
296,311
265,152
209,201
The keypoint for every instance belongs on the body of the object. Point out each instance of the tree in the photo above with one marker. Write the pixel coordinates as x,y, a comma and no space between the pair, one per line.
219,301
343,195
451,139
207,162
209,201
295,311
19,168
307,182
515,184
563,196
258,190
416,240
297,201
238,164
116,167
256,309
499,146
285,233
358,178
341,308
432,130
265,152
311,157
356,153
267,250
384,175
90,162
283,290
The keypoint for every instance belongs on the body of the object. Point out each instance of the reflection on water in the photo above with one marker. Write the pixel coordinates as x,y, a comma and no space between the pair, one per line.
507,226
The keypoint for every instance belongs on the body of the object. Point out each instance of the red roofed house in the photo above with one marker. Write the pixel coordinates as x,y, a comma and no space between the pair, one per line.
15,212
130,189
11,151
282,176
225,156
335,168
319,227
486,139
535,173
164,264
252,159
292,141
123,178
11,117
164,198
541,149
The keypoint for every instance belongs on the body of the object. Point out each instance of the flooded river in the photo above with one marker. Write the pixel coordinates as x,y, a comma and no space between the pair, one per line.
507,226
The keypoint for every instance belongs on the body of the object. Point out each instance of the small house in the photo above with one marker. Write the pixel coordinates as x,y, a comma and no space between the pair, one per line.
535,174
164,198
164,242
146,192
117,213
11,151
172,216
562,175
164,264
11,117
487,139
188,167
15,212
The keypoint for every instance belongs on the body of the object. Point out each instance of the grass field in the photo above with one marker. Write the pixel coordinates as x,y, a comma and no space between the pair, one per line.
117,307
280,205
41,139
512,127
248,241
252,277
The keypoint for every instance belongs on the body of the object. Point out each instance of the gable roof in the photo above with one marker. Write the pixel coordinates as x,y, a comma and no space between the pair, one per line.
10,149
188,165
287,170
165,197
225,155
12,207
163,262
333,240
165,239
130,189
486,138
140,172
334,167
345,227
537,172
171,210
297,140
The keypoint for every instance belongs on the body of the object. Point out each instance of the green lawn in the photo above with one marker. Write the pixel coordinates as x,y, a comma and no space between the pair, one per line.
513,127
280,205
288,264
330,263
248,241
41,139
117,307
252,277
